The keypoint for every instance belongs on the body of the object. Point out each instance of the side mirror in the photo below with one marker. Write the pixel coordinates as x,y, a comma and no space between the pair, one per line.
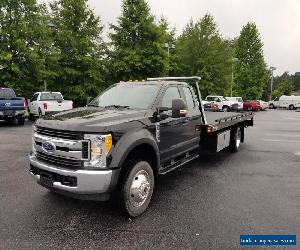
178,108
89,99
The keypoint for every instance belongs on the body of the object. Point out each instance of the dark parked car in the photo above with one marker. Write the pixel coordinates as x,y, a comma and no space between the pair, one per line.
11,107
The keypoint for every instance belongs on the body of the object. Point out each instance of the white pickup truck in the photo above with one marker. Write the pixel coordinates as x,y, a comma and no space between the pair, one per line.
221,101
42,103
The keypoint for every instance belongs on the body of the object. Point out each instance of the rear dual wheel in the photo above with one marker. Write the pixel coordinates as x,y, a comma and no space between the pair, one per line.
291,107
235,139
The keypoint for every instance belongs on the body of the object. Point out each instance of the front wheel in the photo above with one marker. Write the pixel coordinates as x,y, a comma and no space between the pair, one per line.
225,109
138,188
40,113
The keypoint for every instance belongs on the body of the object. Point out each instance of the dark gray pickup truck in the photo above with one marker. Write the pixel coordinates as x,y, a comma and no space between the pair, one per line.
126,137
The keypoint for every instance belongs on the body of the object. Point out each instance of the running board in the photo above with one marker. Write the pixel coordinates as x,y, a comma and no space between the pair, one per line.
178,164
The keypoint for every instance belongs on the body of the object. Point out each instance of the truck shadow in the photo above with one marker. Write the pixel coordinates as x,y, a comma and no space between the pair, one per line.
14,124
99,216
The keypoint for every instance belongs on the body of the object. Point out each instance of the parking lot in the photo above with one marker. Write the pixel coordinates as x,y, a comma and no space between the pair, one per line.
204,205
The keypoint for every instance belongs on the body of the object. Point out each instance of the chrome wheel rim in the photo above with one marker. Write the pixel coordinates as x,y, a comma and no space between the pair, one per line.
238,137
140,188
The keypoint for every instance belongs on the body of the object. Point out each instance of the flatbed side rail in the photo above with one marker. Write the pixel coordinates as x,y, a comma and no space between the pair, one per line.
224,123
234,117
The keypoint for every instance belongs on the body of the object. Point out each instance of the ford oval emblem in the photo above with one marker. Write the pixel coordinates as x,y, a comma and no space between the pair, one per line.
49,147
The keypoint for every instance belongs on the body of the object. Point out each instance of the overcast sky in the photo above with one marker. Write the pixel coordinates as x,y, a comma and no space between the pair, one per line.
278,22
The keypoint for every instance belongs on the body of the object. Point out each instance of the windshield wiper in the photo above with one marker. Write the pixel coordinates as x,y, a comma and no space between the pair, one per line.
116,106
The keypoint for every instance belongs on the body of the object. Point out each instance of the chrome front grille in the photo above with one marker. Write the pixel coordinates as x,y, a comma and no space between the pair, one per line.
63,134
59,161
67,153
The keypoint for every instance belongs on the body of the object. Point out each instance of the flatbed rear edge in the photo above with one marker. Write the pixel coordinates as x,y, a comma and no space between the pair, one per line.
224,131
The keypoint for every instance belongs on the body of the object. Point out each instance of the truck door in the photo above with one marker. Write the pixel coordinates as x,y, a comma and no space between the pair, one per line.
175,134
33,105
193,117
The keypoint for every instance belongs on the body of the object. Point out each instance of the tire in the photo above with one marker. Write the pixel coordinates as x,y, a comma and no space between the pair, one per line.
291,107
235,139
21,120
137,188
31,117
225,109
271,106
250,108
40,113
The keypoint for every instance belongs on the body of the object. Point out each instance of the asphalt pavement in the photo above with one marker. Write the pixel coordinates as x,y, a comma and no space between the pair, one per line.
207,204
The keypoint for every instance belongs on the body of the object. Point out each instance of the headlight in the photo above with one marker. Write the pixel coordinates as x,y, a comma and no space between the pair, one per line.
33,142
100,145
34,128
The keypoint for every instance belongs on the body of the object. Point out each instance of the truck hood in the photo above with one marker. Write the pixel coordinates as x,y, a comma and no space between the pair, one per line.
92,119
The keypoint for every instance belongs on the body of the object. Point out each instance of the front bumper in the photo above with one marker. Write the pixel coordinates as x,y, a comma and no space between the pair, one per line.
87,182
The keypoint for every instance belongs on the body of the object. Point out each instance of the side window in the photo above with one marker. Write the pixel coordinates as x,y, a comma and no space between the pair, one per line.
170,94
189,98
34,97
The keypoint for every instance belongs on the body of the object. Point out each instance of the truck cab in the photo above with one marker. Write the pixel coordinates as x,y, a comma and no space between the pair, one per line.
126,137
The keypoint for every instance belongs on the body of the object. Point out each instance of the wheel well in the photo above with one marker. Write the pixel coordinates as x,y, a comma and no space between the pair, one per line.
141,152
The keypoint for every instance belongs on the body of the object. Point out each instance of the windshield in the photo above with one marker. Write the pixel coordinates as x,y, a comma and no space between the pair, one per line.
7,94
211,98
51,97
136,96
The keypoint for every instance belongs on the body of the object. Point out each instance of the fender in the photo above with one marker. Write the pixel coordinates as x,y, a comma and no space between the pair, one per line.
128,142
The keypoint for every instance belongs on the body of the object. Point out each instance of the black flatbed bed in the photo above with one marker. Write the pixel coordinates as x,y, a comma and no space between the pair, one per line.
222,120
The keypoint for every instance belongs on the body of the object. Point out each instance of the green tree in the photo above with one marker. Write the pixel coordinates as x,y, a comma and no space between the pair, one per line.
21,63
137,40
169,43
251,73
81,50
202,51
285,87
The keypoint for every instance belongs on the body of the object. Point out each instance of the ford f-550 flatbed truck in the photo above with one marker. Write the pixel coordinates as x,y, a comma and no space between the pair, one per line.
126,137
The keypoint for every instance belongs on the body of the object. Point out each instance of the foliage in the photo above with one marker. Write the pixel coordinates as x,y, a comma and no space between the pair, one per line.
169,39
136,40
251,74
295,79
202,51
60,44
81,50
285,87
22,65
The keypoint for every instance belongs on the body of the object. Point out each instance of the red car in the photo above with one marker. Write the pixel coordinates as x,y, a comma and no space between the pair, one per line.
251,106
